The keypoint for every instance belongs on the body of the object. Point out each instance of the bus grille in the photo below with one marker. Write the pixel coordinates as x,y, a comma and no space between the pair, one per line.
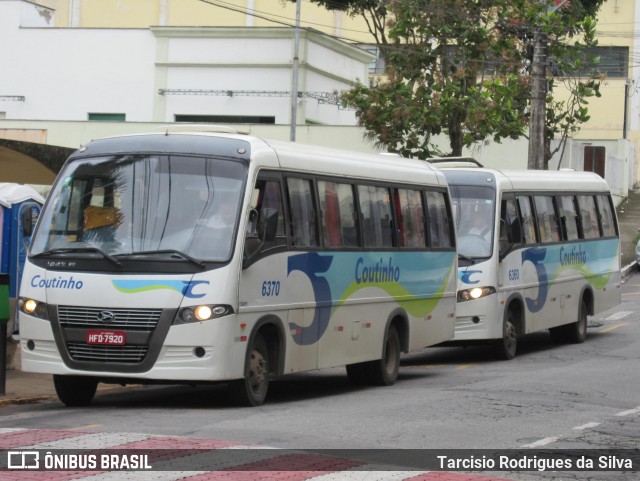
142,319
122,354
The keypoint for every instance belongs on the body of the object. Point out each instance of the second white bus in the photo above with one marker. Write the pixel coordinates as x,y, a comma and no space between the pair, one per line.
202,257
537,250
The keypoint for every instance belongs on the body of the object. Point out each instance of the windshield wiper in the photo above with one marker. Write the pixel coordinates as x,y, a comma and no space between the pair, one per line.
72,250
173,252
465,258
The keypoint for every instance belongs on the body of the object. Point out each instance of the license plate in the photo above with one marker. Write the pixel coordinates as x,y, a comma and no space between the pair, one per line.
111,338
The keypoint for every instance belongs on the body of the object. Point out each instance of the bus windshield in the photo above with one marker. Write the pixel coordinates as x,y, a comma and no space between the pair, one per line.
144,205
474,212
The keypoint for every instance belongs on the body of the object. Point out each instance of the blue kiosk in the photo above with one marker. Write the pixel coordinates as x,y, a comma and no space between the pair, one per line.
19,208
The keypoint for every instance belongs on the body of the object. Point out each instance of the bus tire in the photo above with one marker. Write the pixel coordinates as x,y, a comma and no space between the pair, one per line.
75,391
384,372
252,389
506,347
576,332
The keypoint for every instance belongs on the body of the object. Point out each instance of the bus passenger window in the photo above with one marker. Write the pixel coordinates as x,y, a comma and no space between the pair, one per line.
439,222
568,217
588,217
528,226
411,232
606,216
338,216
547,219
303,213
377,217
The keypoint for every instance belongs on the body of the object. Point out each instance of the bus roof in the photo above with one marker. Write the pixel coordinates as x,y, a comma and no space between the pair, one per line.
354,165
270,153
529,180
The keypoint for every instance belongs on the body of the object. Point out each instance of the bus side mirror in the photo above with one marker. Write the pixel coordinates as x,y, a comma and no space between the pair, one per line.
267,229
505,244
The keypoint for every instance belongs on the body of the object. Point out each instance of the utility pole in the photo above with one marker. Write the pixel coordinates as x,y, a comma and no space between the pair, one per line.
539,96
538,103
294,87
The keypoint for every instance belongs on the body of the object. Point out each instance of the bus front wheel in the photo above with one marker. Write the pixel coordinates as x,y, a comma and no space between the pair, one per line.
252,389
505,348
75,391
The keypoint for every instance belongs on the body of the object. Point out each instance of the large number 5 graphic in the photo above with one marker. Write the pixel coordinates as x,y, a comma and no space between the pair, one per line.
536,257
312,264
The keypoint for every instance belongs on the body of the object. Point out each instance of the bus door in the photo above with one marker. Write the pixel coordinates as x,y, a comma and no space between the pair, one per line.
275,281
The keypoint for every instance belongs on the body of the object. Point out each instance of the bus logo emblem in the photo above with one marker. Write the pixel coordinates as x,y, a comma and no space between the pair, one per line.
106,316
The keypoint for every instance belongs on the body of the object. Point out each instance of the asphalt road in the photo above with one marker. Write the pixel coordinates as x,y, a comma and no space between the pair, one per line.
584,396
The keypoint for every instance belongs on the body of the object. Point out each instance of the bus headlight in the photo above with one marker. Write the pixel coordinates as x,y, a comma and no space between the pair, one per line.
475,293
202,313
33,308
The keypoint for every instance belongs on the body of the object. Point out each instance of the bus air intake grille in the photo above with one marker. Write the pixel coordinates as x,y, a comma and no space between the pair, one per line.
102,317
123,354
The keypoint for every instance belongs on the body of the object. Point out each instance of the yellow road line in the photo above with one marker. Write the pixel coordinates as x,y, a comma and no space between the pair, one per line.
613,327
428,366
82,428
464,366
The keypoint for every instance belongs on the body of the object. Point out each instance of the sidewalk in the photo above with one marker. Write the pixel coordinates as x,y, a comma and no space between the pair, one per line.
25,387
28,387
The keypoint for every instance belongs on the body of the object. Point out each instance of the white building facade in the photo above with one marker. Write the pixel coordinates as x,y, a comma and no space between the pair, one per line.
167,74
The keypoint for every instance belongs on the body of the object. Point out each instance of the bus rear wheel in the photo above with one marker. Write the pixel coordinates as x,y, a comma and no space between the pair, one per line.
75,391
252,389
505,348
576,332
381,372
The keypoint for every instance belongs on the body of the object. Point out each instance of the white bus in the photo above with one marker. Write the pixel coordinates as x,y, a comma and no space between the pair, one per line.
537,250
201,257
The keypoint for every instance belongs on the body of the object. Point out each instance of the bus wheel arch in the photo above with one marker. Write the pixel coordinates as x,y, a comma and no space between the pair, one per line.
588,298
400,321
264,360
513,326
576,332
384,371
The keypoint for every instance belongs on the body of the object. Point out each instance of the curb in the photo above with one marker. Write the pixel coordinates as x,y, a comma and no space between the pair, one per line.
24,400
626,270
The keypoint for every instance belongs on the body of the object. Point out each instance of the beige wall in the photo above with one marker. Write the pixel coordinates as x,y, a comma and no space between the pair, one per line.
145,13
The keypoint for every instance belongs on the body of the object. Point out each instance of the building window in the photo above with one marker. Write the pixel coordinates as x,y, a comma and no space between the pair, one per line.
377,65
613,61
594,160
101,116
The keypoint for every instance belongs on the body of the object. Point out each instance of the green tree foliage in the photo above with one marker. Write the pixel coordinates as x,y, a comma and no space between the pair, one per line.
461,67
